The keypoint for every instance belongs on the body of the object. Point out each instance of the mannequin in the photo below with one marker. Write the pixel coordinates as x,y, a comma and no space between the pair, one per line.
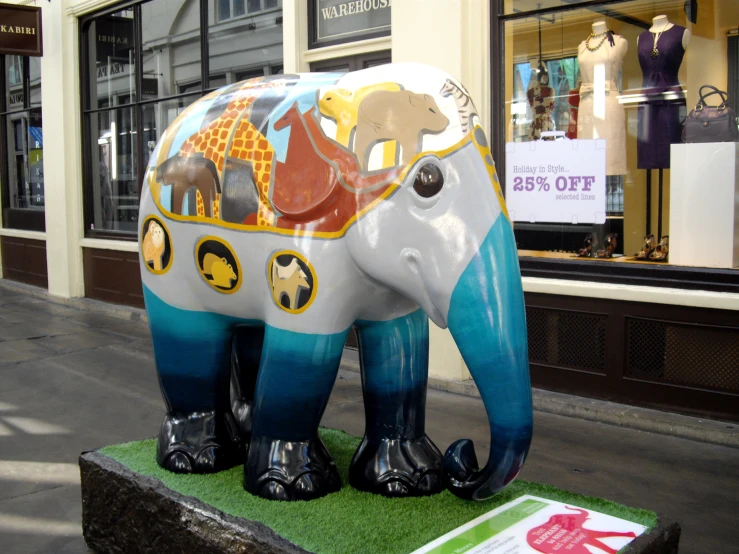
660,50
541,99
600,115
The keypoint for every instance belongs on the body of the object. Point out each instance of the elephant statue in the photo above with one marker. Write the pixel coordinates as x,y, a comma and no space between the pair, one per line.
253,282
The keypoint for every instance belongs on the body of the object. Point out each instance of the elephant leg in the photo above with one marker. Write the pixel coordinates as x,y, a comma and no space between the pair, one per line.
192,354
395,457
246,351
286,458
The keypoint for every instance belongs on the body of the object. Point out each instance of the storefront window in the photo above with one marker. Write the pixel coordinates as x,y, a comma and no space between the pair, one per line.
134,90
259,35
609,153
22,144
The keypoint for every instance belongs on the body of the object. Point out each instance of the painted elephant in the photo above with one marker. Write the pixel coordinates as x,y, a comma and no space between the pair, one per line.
249,313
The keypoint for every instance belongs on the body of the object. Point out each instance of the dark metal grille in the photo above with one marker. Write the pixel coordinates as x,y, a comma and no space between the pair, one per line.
692,355
568,339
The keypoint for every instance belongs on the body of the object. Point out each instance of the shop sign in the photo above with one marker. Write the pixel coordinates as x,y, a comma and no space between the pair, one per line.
20,30
111,69
351,19
149,87
556,181
533,525
114,39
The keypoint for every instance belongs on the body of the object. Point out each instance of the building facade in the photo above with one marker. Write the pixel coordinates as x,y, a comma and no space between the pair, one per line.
606,320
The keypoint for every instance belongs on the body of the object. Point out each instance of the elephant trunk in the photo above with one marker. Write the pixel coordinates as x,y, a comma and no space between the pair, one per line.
488,322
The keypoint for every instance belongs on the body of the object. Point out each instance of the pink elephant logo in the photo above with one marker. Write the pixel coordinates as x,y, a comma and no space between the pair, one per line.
565,533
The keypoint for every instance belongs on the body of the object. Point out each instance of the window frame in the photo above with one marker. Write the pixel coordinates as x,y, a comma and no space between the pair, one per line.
663,276
138,103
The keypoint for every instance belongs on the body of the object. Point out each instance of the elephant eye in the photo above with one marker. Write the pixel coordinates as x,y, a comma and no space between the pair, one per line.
429,181
432,110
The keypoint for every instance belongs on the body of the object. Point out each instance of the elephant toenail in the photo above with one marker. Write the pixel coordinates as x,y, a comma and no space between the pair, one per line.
274,491
396,488
207,459
179,462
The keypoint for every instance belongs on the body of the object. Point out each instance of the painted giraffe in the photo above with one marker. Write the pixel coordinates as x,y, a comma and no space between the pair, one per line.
216,142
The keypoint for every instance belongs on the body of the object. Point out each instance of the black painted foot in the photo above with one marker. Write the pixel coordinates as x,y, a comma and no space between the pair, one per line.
290,470
202,442
397,467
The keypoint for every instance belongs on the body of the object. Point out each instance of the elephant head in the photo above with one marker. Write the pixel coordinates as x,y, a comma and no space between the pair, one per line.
444,240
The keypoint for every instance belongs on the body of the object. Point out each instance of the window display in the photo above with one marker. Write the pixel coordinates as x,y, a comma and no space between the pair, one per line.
646,83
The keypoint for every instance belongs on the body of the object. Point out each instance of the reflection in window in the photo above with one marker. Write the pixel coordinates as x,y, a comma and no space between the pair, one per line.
15,70
168,61
25,160
259,38
134,94
228,9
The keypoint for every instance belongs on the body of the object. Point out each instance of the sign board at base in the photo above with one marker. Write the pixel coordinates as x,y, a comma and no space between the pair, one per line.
20,30
533,525
556,181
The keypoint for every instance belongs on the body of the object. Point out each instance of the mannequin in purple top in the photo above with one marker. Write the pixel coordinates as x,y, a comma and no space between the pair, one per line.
660,49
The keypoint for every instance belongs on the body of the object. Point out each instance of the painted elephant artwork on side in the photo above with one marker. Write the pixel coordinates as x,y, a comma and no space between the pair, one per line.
265,237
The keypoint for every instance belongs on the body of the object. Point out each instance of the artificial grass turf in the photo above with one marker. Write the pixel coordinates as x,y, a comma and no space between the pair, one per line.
349,521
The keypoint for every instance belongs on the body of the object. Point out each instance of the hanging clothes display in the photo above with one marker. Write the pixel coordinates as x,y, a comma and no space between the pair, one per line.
574,101
541,99
600,114
658,119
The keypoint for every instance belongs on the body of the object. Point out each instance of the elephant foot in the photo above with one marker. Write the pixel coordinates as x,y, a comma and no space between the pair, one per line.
397,467
201,442
290,470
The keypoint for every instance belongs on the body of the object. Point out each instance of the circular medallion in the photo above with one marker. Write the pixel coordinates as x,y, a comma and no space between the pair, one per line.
655,52
218,265
156,246
292,281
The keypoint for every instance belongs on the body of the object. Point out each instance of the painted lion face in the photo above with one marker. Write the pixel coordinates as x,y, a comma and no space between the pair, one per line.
156,233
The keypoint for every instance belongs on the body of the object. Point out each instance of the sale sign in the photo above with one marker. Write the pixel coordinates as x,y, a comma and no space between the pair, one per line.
531,525
556,181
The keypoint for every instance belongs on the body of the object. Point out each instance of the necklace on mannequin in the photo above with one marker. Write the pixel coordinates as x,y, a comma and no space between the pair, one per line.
591,36
665,25
655,51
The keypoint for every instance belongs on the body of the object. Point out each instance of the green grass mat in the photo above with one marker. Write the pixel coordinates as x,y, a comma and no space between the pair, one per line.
349,521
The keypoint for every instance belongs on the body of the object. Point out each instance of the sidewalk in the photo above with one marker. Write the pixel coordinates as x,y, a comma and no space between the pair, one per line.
79,374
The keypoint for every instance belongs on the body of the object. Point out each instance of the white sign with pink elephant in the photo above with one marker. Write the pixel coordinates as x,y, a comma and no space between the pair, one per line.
531,525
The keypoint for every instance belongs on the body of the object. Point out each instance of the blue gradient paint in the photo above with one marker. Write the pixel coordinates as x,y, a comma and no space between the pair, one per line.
296,374
394,357
487,319
192,353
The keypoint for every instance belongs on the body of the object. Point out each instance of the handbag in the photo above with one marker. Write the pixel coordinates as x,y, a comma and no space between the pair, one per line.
711,123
